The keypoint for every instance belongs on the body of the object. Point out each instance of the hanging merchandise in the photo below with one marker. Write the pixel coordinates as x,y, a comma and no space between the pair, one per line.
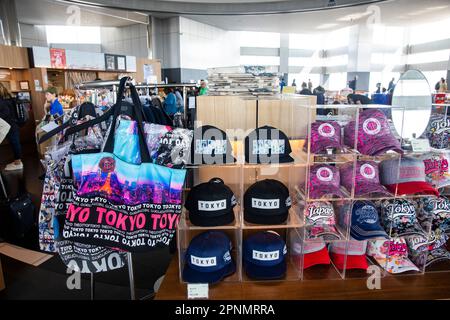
121,204
55,181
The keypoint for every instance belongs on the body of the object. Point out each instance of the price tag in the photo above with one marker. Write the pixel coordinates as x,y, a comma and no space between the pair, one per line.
198,291
191,102
420,145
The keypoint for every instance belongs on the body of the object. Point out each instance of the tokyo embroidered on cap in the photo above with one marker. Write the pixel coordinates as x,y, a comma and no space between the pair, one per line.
399,217
267,145
211,204
374,134
354,250
367,179
267,202
309,254
438,131
264,256
320,221
366,222
435,211
406,176
210,145
208,258
324,181
430,257
391,255
325,135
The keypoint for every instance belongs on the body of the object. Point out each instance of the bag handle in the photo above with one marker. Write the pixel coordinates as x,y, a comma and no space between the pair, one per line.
137,113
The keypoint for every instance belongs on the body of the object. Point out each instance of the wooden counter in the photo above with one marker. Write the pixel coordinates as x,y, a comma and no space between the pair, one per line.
428,286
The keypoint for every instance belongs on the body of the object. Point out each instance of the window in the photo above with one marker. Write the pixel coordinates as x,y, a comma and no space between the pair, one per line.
430,32
337,81
259,61
305,41
259,39
73,34
431,56
382,77
434,76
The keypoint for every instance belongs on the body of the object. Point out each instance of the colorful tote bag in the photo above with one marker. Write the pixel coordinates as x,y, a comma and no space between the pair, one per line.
121,204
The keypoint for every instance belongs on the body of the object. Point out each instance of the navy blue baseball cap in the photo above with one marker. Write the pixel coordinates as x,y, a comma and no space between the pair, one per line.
208,258
366,221
265,256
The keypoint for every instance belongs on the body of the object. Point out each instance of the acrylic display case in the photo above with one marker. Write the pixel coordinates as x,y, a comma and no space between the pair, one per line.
299,118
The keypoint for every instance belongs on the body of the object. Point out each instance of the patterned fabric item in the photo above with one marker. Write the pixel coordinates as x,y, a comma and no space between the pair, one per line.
437,168
438,131
324,135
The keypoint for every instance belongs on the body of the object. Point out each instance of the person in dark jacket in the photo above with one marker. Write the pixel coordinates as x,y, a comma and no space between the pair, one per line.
305,90
358,99
7,105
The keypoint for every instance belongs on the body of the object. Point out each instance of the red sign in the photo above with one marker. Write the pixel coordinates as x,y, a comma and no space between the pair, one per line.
58,58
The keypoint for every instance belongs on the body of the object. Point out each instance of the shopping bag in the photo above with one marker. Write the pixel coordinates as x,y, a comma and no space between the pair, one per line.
4,129
121,204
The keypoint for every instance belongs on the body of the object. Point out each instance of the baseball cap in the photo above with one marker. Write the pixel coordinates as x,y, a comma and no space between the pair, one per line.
435,211
267,145
437,168
438,131
208,258
354,251
374,134
320,221
365,221
211,204
391,255
313,252
407,176
399,216
430,257
324,181
267,202
210,145
367,179
265,256
324,135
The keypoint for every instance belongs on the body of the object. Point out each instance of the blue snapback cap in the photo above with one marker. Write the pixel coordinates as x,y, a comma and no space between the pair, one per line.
265,256
366,221
208,258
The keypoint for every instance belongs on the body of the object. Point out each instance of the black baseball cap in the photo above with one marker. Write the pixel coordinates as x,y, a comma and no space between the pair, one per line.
267,202
210,145
211,204
267,145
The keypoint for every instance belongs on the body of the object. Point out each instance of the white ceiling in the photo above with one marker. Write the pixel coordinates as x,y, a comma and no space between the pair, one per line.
393,13
53,12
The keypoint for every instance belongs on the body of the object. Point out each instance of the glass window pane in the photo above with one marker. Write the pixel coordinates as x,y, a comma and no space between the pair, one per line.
73,34
260,60
259,39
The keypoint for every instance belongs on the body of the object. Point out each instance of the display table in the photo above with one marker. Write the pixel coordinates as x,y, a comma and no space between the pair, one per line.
428,286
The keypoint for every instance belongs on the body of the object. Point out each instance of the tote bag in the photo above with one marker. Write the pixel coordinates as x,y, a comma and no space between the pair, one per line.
122,204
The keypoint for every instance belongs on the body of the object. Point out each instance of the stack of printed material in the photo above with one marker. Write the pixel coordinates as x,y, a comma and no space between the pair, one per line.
243,80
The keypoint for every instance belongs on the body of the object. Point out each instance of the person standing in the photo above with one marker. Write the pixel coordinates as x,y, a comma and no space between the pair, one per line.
378,88
310,85
294,84
391,85
203,88
52,104
170,102
7,105
282,85
442,86
352,83
305,90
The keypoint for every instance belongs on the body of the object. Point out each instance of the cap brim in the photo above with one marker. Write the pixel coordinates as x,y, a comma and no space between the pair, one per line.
324,231
383,150
194,276
316,258
360,234
372,189
265,219
322,148
221,220
326,192
415,229
416,187
353,262
393,265
281,159
253,271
